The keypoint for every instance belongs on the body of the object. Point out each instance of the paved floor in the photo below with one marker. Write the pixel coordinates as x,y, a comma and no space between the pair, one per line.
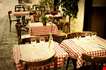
7,39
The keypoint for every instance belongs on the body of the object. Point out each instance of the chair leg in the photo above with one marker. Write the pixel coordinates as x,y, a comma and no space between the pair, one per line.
10,25
9,16
67,63
74,63
55,63
99,66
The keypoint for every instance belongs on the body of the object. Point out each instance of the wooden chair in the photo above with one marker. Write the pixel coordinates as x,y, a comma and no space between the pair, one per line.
80,34
22,38
94,63
56,37
19,8
10,19
36,13
40,10
59,37
38,7
40,38
34,7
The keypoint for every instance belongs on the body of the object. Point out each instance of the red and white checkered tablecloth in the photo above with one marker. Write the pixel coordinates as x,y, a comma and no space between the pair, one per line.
39,29
61,55
75,51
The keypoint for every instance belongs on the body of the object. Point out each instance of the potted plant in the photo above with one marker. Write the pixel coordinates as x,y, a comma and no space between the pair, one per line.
44,20
70,8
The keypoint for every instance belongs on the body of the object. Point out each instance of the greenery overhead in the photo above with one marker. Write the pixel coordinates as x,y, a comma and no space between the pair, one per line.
56,4
47,3
70,7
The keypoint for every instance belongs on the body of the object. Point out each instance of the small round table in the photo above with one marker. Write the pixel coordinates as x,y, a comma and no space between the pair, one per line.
36,55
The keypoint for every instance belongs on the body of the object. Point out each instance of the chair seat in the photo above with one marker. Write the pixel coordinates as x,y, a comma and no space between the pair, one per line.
59,37
25,36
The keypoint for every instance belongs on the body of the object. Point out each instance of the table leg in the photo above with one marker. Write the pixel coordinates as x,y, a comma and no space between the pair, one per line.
55,63
67,64
74,63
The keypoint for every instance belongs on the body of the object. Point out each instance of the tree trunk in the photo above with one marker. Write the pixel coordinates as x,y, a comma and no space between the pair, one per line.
69,23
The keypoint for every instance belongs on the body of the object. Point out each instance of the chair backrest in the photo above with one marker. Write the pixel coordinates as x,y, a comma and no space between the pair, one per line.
101,59
40,38
9,12
42,9
34,7
95,61
19,8
38,8
59,38
80,34
20,30
10,19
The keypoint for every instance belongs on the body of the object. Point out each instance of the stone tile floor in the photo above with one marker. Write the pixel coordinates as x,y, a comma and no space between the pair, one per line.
7,39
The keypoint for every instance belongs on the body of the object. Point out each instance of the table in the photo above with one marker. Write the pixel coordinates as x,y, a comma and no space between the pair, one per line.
60,55
22,13
37,28
93,46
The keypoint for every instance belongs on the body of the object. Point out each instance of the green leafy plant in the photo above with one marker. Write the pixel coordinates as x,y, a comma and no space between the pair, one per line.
70,8
44,20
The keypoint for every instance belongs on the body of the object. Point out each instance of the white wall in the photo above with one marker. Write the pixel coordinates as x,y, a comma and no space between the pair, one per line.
79,22
35,1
